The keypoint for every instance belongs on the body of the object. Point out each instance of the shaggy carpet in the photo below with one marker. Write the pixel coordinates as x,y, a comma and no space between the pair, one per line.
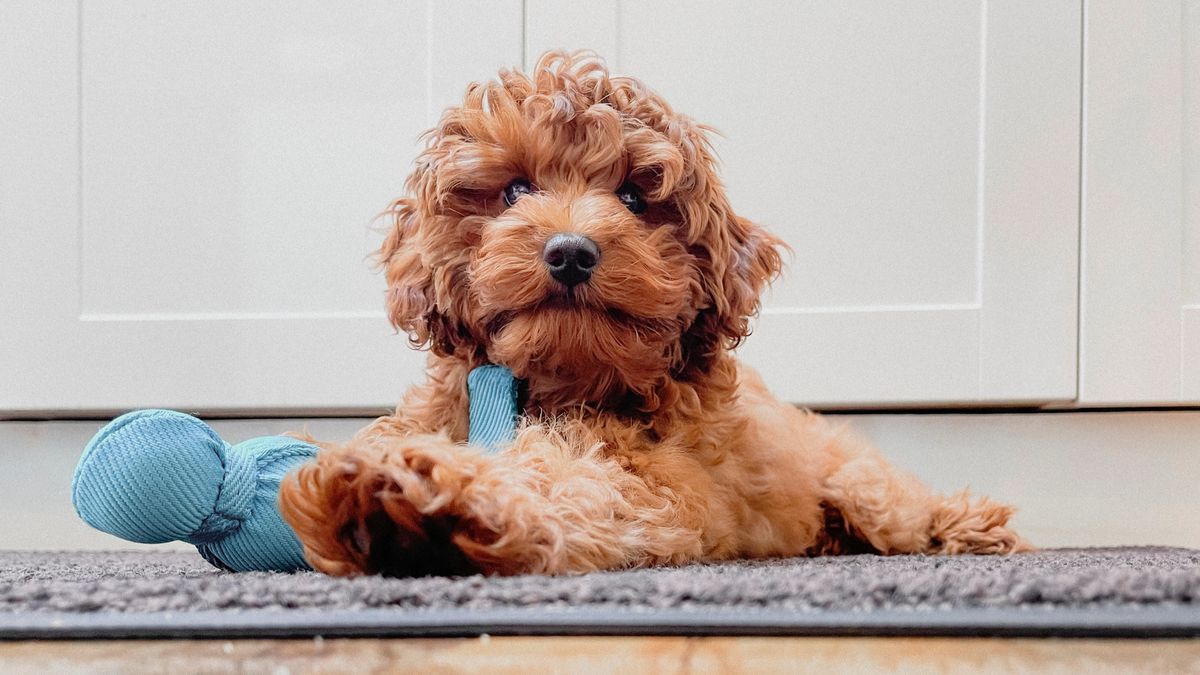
1116,591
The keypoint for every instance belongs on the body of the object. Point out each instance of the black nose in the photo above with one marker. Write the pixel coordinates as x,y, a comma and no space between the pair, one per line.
571,258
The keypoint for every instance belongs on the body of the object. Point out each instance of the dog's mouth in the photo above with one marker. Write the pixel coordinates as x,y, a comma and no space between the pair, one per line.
559,298
570,352
565,307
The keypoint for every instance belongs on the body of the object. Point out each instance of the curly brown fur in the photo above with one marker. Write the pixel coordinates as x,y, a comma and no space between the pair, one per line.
643,440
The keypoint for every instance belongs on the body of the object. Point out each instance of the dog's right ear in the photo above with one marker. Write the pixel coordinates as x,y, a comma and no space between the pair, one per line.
410,292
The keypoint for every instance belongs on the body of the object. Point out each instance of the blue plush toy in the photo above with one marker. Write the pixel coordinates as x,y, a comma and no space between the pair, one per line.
153,476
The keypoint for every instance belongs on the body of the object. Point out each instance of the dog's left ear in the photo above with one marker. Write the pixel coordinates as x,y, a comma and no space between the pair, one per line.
751,261
412,301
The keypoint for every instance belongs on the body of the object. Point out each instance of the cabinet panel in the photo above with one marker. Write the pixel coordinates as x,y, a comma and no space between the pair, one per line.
194,227
236,174
1141,198
922,160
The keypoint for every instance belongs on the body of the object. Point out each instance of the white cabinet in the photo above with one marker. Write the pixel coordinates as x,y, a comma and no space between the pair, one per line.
921,159
189,190
1140,310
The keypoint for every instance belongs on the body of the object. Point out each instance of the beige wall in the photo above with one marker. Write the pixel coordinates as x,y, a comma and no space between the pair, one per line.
1080,479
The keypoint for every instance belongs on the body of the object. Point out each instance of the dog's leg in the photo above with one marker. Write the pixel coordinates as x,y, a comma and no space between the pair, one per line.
895,513
415,505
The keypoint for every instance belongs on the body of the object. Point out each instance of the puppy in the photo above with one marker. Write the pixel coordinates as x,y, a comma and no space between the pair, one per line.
570,225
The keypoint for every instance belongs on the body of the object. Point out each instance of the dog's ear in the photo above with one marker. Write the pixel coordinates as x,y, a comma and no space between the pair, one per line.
409,281
411,296
739,260
746,260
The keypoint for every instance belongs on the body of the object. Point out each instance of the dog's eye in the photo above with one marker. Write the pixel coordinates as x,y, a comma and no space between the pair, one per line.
631,196
515,190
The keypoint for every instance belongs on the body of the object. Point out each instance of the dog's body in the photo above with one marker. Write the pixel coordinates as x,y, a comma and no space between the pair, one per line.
570,226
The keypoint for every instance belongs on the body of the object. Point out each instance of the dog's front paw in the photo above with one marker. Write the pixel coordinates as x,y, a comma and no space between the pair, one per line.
387,506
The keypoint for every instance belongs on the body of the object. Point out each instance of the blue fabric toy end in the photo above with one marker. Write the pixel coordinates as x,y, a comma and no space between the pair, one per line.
154,476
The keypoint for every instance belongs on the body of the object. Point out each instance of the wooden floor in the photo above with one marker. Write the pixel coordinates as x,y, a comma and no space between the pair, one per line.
489,656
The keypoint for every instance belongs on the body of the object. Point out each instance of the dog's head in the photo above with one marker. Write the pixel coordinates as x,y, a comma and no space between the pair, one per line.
571,226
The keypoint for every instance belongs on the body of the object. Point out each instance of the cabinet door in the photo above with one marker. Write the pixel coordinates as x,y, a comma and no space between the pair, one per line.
922,158
1140,314
189,189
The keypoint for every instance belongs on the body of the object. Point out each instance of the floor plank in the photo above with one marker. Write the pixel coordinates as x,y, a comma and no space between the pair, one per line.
526,655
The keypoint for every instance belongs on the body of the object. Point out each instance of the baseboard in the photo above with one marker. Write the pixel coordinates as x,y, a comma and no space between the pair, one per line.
1079,479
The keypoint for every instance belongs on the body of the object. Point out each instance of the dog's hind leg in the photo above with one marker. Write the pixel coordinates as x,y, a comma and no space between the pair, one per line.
895,512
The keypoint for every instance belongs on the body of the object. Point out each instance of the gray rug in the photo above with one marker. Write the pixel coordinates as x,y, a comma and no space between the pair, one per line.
1119,591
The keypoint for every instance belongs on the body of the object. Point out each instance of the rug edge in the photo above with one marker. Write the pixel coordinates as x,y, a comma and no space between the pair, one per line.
1119,621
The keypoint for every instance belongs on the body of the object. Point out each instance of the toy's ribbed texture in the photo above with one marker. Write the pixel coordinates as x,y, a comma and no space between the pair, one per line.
133,483
234,498
155,475
493,406
262,540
